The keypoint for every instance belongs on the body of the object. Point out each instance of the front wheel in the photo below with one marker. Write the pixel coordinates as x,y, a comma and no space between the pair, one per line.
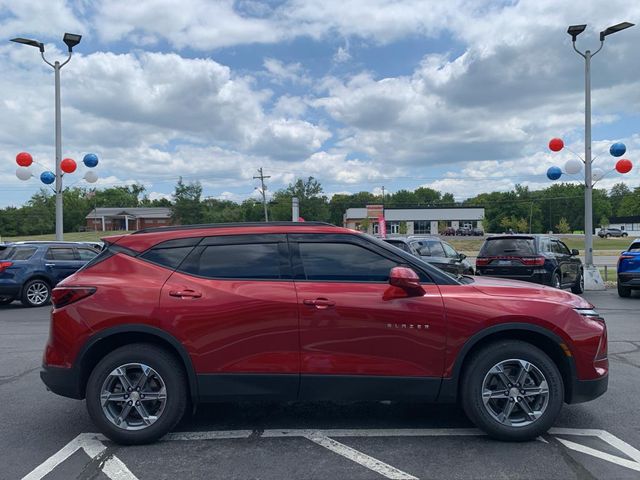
555,281
136,394
512,390
625,234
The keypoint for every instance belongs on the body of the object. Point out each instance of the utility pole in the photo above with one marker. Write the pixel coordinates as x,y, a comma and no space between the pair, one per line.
264,193
383,196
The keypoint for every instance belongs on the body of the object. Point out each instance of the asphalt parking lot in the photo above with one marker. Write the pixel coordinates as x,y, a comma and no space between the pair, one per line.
46,436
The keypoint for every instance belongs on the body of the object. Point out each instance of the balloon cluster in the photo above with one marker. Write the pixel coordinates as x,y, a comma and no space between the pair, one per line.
67,165
574,166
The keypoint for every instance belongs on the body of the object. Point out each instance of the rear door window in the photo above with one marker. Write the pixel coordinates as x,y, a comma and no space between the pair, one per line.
242,261
60,253
496,247
87,253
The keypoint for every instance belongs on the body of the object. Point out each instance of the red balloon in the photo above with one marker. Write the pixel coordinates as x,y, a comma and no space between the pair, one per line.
624,165
68,165
556,144
24,159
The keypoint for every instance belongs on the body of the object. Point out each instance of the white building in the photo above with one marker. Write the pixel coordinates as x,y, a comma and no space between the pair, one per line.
423,220
630,225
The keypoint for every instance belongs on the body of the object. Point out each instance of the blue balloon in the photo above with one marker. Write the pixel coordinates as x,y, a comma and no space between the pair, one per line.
618,149
47,177
554,173
90,160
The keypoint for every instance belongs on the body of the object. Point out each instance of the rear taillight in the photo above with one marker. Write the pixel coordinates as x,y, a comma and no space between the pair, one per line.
622,257
533,261
4,266
480,262
63,296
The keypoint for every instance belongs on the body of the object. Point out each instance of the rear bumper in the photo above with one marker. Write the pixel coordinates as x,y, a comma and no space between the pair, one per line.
540,278
62,381
586,390
629,279
9,290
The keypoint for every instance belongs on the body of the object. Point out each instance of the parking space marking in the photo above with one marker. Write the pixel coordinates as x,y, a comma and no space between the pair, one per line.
360,458
115,469
93,446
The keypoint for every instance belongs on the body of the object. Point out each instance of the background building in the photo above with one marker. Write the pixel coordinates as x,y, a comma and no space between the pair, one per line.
631,225
419,220
103,219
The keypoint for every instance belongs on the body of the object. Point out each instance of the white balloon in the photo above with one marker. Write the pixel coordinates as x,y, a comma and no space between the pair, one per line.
91,177
573,166
23,173
597,174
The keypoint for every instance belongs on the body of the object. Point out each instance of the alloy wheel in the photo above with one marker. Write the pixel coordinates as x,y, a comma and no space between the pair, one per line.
515,393
133,396
38,293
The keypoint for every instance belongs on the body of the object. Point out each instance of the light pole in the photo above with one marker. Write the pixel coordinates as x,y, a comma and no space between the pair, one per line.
592,275
71,40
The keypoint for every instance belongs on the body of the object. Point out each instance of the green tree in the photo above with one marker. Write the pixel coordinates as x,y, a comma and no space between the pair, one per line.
313,204
618,192
563,226
187,207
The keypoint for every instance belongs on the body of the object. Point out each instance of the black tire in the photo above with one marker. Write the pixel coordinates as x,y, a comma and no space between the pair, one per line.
477,368
625,234
6,300
624,292
27,296
555,280
608,235
172,374
578,287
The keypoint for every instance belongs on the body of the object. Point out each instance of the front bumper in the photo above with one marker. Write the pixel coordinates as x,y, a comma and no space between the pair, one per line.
586,390
62,381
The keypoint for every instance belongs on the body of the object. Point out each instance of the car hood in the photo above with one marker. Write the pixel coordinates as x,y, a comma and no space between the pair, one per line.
514,288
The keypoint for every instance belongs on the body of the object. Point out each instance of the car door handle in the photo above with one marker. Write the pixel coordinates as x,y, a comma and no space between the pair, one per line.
187,293
49,264
319,303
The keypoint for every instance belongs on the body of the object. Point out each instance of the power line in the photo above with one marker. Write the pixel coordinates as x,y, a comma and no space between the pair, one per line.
264,193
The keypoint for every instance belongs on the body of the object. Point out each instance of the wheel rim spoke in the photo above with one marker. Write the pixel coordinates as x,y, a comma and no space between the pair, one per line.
133,396
515,383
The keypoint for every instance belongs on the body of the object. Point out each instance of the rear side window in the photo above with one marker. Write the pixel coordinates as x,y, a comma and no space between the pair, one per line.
167,257
495,247
87,253
635,247
343,262
241,261
60,253
21,253
400,245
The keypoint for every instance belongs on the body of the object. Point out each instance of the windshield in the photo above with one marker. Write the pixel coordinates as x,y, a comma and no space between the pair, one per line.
518,246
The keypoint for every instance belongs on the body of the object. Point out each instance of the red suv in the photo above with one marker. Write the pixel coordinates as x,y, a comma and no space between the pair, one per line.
172,316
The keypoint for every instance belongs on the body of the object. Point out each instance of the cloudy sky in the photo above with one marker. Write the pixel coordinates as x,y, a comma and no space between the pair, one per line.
461,96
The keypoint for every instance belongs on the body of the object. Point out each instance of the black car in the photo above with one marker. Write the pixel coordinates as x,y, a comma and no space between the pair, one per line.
439,254
30,270
531,258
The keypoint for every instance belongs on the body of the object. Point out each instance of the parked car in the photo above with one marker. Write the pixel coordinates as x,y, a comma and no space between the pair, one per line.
403,244
168,317
477,232
30,270
449,231
464,231
629,269
532,258
441,254
611,232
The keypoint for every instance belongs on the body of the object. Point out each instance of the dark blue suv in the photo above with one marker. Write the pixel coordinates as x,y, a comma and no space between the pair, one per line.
629,269
30,270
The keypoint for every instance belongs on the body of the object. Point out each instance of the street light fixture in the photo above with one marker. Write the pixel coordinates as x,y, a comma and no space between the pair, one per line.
591,273
71,40
614,29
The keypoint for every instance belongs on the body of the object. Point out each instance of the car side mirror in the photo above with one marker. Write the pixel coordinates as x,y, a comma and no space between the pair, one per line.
462,256
575,252
406,279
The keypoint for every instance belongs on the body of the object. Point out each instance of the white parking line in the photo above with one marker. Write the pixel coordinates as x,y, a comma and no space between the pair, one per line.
113,468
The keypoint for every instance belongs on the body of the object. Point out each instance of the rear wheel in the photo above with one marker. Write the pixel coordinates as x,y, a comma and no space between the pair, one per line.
36,293
578,287
624,291
625,234
512,390
137,394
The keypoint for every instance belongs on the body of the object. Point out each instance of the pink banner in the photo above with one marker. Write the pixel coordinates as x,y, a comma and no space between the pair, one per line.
382,226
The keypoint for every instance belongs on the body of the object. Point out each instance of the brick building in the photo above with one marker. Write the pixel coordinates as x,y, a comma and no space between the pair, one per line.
104,219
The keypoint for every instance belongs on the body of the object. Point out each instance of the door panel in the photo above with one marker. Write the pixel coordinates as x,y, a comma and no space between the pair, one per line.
60,262
364,334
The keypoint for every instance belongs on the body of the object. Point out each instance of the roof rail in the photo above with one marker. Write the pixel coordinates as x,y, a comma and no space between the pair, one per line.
232,224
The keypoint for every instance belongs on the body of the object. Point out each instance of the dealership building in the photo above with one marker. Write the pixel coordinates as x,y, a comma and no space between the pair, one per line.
104,219
419,220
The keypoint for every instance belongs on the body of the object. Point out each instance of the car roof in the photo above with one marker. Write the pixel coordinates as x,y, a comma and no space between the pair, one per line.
147,238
